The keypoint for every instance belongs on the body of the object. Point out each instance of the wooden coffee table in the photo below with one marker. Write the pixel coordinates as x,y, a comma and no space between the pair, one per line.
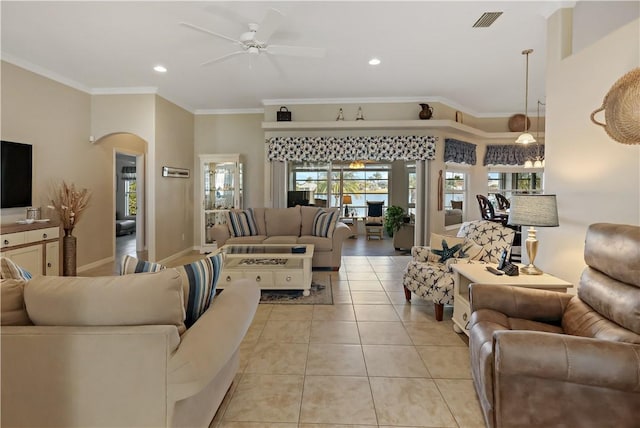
270,266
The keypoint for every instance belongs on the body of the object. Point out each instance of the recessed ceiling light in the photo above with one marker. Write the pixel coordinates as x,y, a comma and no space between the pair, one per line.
160,68
374,61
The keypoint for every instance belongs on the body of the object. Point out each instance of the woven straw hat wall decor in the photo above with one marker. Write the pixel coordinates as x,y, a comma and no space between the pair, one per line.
622,109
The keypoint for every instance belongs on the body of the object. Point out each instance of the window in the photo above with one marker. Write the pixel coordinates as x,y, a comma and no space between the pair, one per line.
331,181
412,180
130,197
454,188
514,183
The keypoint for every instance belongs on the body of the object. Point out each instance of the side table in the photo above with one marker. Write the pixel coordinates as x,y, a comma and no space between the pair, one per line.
465,274
352,222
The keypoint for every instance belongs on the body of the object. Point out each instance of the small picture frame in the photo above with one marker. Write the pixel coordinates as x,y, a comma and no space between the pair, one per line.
169,171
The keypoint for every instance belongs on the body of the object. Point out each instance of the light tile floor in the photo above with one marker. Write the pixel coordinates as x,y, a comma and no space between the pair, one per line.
369,360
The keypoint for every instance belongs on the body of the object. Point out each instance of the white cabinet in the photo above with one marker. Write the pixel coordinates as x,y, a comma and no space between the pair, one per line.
28,258
52,259
220,191
34,247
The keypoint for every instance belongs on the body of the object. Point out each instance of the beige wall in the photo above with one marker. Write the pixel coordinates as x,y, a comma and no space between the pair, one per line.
58,121
55,119
595,178
174,204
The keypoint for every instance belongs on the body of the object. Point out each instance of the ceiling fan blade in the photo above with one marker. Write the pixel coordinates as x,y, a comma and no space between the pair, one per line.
303,51
269,25
222,58
212,33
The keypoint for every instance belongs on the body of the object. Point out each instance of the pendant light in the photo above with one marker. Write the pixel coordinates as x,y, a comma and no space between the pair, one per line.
539,163
539,160
525,137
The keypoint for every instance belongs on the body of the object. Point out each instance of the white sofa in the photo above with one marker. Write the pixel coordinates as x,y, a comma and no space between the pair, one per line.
113,351
290,226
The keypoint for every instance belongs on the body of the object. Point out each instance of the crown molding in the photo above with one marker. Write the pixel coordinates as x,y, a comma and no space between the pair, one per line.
44,72
133,90
229,111
266,102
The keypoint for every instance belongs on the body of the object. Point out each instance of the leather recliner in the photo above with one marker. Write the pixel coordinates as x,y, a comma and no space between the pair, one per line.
546,359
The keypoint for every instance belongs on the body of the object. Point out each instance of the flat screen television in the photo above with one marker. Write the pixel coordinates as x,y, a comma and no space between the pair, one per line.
298,197
15,174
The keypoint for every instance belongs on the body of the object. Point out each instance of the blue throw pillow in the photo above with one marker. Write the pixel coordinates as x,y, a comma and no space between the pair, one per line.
242,223
10,270
199,281
324,222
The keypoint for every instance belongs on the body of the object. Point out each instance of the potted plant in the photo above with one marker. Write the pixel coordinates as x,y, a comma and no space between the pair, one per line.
393,219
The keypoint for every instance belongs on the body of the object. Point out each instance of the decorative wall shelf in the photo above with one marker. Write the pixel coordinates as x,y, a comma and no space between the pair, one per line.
438,124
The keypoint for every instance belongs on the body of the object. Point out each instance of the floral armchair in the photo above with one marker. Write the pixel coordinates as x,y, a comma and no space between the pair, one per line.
429,274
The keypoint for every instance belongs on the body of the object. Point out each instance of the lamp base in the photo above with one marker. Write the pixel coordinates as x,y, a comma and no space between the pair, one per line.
530,270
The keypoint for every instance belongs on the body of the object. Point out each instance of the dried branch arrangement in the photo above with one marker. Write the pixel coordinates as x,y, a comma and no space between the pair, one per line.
69,203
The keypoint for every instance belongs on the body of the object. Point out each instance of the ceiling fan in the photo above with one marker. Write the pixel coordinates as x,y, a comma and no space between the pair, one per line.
256,40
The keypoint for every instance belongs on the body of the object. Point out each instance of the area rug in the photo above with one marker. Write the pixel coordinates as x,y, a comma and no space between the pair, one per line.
320,293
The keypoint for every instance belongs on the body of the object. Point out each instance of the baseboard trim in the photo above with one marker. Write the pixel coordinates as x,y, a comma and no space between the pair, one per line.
176,255
96,264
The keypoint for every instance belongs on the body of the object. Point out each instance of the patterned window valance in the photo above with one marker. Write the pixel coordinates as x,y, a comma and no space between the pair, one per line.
351,148
512,154
459,151
128,173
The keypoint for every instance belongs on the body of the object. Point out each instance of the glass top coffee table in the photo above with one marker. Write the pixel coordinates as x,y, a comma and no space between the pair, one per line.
270,266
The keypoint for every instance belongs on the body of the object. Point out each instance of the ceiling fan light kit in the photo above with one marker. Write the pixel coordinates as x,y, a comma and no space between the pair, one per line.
256,40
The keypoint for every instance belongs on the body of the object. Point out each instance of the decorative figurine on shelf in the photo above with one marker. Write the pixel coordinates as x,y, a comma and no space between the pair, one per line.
340,115
360,116
426,112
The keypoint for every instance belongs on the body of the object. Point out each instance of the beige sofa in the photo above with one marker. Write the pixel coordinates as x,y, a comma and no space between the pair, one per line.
290,226
113,352
546,359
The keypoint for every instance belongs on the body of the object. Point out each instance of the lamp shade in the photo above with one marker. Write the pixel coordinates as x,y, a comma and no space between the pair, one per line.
525,138
346,199
533,210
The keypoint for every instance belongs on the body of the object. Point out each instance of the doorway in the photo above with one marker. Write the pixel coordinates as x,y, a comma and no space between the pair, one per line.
129,206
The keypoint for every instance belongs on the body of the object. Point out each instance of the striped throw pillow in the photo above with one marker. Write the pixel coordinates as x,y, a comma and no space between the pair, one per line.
324,223
242,223
10,270
132,265
199,281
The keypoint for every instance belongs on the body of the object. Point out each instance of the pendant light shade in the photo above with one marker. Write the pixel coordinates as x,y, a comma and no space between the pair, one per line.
525,137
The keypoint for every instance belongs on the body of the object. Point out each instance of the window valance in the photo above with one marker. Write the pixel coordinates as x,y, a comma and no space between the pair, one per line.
512,154
459,151
352,148
128,173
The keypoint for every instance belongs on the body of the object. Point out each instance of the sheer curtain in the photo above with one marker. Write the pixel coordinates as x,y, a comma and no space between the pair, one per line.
278,184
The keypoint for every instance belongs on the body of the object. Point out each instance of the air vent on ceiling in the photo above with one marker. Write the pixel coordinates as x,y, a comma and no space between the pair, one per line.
487,19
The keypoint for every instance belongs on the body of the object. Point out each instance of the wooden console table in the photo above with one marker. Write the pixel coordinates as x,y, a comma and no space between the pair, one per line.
36,247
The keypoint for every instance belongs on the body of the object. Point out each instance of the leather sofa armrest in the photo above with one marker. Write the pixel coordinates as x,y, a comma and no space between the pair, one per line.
518,302
208,345
565,358
220,234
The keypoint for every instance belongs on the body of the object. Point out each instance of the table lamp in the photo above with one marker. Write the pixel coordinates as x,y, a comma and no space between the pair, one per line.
533,210
346,200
